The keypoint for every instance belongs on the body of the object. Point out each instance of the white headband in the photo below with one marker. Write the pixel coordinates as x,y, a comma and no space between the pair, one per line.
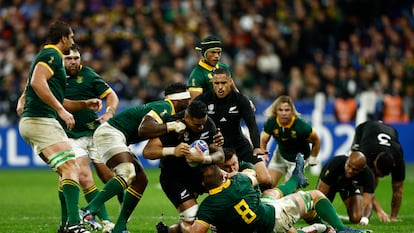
179,96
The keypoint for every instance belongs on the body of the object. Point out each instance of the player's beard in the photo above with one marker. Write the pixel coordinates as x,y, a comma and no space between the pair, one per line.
72,71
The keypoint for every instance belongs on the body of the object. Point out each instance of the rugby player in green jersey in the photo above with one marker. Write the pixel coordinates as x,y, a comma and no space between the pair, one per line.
292,134
201,76
112,139
234,205
232,165
39,107
84,83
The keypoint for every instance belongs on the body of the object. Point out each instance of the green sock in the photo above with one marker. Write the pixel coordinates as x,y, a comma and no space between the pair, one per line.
89,194
327,212
120,197
71,192
289,187
131,199
112,187
63,209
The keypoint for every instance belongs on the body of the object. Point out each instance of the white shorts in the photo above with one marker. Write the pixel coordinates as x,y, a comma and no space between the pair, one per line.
83,147
278,163
109,141
287,212
41,132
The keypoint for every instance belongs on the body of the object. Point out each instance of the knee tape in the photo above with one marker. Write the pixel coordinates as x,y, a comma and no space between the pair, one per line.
189,215
126,171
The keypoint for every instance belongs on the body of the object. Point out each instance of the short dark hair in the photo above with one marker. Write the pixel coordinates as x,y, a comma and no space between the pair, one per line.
197,109
385,163
222,70
228,153
212,176
75,47
57,30
175,88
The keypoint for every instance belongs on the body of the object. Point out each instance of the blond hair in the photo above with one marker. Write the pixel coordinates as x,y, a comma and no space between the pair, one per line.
271,111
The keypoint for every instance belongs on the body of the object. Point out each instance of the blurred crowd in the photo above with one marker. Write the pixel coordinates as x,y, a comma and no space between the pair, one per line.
293,47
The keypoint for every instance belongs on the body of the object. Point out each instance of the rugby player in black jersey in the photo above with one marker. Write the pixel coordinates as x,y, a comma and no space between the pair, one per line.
353,180
379,143
228,108
181,182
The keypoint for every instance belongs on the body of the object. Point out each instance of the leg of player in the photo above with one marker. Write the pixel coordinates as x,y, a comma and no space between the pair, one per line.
132,196
315,199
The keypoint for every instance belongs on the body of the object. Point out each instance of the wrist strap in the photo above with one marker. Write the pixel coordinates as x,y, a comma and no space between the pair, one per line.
168,151
110,110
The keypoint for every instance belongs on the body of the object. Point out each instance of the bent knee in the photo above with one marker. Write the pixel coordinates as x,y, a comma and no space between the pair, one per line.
126,171
189,215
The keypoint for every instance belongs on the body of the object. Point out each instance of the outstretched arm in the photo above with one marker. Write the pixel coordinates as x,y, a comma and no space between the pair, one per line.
154,149
316,145
264,139
151,128
367,199
397,191
20,104
75,105
112,102
383,217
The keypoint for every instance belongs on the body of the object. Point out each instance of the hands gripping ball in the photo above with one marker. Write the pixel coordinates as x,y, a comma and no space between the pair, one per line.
203,146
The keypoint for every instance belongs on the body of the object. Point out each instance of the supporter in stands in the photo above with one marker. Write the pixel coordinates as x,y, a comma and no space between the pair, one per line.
297,36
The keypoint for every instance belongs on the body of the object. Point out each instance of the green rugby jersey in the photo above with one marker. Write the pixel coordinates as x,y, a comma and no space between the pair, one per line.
235,206
86,85
291,139
201,76
245,165
128,120
52,58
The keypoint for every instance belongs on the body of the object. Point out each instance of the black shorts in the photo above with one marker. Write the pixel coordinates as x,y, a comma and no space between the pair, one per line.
181,185
346,191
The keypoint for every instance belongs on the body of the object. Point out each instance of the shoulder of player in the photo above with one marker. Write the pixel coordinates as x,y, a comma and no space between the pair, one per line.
210,125
205,96
339,159
240,97
88,72
224,65
300,122
50,56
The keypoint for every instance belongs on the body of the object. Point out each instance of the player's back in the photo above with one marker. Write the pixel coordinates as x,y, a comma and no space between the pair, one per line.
236,207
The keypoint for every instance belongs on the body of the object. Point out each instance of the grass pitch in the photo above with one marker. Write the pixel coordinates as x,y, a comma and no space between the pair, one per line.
29,204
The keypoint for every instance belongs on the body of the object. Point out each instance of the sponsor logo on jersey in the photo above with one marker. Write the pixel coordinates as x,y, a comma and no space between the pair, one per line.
163,113
79,79
233,109
210,109
204,135
223,119
184,194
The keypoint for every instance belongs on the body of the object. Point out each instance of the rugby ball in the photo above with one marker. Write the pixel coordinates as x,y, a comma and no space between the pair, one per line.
203,146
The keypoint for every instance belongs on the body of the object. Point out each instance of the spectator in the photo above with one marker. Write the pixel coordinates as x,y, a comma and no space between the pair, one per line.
331,29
